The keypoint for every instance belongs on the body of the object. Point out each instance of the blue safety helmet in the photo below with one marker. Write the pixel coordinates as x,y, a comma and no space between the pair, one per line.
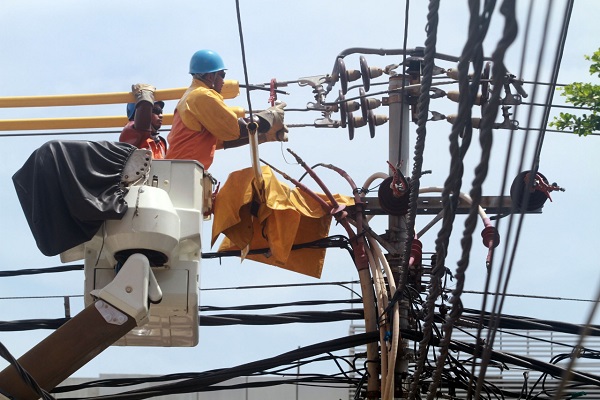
131,109
206,61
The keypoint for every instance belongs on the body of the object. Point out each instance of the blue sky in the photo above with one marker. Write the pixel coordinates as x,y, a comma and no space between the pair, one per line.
80,47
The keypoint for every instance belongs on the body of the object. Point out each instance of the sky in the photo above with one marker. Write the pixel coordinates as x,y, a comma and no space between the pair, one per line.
82,47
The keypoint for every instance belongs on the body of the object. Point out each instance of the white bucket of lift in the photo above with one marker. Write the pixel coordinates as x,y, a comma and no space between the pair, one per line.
151,222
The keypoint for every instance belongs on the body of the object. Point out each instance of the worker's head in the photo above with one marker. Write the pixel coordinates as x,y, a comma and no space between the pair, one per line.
157,115
208,66
157,111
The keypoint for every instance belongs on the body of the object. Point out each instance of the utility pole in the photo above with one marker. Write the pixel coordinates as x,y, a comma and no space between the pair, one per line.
397,232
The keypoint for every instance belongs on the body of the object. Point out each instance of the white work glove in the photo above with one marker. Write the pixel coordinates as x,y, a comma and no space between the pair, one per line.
143,92
276,131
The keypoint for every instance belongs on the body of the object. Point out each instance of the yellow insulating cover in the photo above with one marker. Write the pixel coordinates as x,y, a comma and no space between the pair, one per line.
285,217
230,89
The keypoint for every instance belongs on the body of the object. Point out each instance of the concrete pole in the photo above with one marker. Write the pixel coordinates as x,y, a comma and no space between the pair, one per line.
399,119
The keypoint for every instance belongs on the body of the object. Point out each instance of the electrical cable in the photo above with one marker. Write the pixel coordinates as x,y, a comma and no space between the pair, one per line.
524,53
555,131
131,381
472,52
490,113
530,296
214,320
266,306
217,376
32,324
337,241
48,270
526,324
403,102
23,374
284,285
68,296
282,318
423,103
63,133
314,380
243,49
588,326
423,107
415,181
555,105
498,302
550,93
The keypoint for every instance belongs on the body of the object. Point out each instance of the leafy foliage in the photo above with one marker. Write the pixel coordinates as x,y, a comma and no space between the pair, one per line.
585,95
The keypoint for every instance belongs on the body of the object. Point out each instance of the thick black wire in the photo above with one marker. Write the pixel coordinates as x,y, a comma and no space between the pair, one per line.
508,321
23,374
214,377
472,51
201,378
423,104
423,112
241,33
550,94
275,305
314,380
505,174
62,133
403,102
338,241
330,356
498,303
584,332
285,285
282,318
489,116
35,271
215,320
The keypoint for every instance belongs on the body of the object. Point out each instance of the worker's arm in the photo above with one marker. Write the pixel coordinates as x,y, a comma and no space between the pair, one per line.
204,108
143,117
144,102
141,129
243,140
270,127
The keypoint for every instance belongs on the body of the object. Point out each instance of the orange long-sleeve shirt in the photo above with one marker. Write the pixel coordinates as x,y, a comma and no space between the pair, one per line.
201,122
144,140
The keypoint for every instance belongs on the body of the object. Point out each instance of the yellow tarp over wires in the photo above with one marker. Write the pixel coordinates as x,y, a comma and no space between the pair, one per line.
286,217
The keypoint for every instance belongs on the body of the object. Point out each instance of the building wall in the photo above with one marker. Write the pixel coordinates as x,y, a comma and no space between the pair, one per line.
285,391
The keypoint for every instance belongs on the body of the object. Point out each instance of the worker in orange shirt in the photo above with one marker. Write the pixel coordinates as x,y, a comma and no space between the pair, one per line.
145,119
203,123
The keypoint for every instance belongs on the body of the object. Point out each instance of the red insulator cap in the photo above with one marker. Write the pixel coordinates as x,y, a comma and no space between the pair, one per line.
491,237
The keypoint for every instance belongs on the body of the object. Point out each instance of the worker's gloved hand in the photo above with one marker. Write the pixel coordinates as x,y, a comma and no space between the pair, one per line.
279,136
271,120
143,92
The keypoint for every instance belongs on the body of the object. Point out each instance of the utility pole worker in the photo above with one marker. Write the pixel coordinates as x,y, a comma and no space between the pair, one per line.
203,123
145,119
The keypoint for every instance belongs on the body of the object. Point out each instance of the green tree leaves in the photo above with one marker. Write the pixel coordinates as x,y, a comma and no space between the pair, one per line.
585,95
